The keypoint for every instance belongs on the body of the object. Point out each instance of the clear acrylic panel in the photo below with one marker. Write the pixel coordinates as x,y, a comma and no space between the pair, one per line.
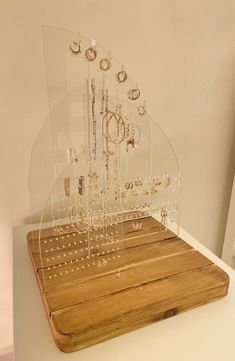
100,165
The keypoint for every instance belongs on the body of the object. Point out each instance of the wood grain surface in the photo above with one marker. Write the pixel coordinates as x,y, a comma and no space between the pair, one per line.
153,275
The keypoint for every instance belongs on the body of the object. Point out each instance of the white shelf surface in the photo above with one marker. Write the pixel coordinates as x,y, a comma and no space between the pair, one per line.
204,333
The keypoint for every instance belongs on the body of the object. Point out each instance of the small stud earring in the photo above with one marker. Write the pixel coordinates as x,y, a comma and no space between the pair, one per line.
141,110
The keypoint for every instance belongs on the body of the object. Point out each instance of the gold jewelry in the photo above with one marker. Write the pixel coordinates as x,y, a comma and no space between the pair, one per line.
129,185
141,110
105,64
156,182
164,215
133,94
93,89
75,47
67,186
138,182
120,130
121,76
91,53
81,185
168,181
133,141
153,190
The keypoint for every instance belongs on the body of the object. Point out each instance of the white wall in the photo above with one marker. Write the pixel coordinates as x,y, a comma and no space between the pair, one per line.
183,55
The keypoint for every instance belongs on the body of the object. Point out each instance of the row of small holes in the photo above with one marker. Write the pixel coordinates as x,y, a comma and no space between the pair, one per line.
98,263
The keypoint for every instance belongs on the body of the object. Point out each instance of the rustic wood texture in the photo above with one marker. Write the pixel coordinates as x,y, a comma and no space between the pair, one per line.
153,275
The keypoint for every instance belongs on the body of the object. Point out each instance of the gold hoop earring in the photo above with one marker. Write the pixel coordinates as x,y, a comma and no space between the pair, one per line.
91,53
133,94
75,47
121,76
105,64
119,127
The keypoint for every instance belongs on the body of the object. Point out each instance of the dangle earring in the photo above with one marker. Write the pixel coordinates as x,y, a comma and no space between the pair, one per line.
93,89
67,186
121,76
81,185
91,53
75,47
164,215
134,94
105,64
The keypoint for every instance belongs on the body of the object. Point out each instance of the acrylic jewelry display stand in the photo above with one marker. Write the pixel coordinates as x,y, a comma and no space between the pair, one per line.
104,186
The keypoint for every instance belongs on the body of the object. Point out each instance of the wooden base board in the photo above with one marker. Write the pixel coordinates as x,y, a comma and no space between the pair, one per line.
154,276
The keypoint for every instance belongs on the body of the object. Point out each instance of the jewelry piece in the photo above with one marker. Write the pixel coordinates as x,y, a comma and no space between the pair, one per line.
81,217
168,181
67,186
75,47
129,185
138,182
141,110
156,182
81,185
153,190
93,89
91,53
105,64
93,177
119,127
164,215
137,225
109,153
133,94
133,141
121,76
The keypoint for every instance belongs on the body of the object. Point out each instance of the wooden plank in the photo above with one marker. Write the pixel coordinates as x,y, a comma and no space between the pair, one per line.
153,275
142,273
56,257
73,273
96,320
